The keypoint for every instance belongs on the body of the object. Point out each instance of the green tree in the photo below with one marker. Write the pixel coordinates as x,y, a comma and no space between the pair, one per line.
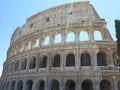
117,27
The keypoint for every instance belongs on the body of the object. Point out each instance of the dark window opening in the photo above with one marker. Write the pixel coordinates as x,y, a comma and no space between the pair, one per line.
85,59
13,85
119,85
44,62
56,61
31,25
70,85
47,19
70,60
87,85
24,63
41,85
33,63
55,85
20,85
101,59
70,14
105,85
29,84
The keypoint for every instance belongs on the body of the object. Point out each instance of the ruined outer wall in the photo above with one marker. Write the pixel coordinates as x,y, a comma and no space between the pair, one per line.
28,45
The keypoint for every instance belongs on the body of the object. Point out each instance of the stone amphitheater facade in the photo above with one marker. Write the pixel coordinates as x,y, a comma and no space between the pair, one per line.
58,49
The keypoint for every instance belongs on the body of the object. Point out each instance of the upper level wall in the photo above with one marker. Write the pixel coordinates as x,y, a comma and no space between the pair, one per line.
60,15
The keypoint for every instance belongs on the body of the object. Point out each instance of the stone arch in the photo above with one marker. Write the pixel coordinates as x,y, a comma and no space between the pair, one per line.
83,36
58,38
70,37
32,63
7,85
24,64
87,85
41,85
85,59
28,45
20,85
35,42
97,35
12,85
70,60
44,62
70,85
46,40
56,61
55,85
16,65
29,84
101,59
105,85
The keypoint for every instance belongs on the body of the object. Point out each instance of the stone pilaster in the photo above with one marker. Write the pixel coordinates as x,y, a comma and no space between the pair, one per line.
24,85
62,86
16,83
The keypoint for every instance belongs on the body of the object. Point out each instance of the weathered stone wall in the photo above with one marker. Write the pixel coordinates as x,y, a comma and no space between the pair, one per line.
31,62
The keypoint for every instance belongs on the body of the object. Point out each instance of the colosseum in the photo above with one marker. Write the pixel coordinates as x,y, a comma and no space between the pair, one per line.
67,47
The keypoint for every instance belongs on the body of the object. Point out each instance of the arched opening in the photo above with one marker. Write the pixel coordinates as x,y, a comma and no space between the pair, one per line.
44,62
55,85
56,61
29,85
57,38
12,85
85,59
16,65
70,85
32,63
24,63
7,85
70,61
97,36
70,37
101,59
46,40
41,85
83,36
105,85
37,42
20,85
87,85
21,47
119,85
29,45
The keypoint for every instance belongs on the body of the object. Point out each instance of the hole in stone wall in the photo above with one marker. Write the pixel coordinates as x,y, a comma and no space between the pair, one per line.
97,35
46,40
57,38
83,36
70,37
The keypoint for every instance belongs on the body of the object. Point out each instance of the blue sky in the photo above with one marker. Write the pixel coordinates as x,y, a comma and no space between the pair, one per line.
15,12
